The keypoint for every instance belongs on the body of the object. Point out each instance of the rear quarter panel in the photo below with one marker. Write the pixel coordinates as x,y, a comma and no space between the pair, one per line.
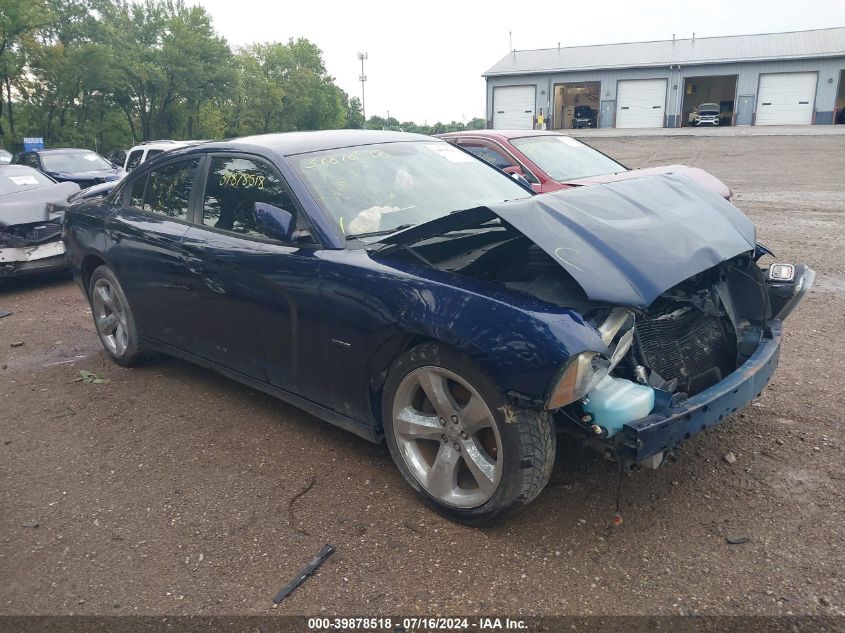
84,234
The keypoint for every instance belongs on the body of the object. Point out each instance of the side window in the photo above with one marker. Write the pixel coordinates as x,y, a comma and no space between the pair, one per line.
489,155
136,192
134,159
29,159
497,158
169,189
234,185
152,152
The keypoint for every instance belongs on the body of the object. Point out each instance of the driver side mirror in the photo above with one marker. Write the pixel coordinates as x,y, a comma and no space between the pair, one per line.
273,221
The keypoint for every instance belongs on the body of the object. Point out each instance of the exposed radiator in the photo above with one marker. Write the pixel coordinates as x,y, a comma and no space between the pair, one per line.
688,345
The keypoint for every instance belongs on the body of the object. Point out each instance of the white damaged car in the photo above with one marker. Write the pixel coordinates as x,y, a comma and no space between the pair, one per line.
31,211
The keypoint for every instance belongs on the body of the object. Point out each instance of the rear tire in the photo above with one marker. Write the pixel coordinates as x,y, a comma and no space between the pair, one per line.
466,452
113,318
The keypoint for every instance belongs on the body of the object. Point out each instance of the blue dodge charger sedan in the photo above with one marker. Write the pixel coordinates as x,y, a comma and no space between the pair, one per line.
397,287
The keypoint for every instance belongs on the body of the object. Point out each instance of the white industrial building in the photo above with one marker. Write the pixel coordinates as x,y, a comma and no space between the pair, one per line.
795,78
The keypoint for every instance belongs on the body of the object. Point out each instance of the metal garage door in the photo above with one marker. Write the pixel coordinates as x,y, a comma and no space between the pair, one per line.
513,107
786,99
641,103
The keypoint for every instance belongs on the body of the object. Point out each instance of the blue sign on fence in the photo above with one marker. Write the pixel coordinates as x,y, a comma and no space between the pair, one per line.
32,143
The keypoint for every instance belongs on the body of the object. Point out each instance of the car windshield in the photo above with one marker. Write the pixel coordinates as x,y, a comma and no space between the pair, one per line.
73,162
14,179
564,159
377,189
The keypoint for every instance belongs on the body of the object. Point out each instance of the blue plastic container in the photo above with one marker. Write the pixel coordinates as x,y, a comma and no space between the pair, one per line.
616,401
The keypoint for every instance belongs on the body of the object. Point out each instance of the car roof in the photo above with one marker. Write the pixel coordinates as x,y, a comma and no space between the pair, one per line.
64,150
162,144
500,134
290,143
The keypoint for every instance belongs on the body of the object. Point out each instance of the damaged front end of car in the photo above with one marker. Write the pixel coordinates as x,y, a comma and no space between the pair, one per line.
31,230
667,273
698,354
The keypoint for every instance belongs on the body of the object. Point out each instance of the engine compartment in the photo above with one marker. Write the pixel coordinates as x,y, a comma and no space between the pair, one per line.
688,339
30,234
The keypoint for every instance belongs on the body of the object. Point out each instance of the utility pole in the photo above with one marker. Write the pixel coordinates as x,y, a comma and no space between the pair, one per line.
363,78
388,120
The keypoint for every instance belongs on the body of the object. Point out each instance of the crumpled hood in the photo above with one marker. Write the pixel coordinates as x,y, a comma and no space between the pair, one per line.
626,242
35,205
699,175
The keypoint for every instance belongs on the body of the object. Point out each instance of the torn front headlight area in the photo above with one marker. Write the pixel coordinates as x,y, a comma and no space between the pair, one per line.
586,370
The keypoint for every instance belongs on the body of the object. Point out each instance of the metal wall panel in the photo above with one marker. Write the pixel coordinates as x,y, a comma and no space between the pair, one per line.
748,78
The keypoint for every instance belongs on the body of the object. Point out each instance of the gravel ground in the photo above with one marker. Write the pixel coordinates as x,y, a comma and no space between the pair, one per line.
167,489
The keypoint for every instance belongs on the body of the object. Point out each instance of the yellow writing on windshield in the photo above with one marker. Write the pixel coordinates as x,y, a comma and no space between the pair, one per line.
339,159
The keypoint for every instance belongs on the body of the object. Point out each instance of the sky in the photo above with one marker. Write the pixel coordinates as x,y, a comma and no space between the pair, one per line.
426,58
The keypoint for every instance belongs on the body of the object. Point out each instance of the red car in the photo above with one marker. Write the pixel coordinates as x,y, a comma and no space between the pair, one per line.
551,161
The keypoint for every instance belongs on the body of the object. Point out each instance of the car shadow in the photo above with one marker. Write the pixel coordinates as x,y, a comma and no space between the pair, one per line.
26,283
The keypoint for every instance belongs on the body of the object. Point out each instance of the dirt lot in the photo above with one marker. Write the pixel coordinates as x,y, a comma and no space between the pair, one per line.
167,489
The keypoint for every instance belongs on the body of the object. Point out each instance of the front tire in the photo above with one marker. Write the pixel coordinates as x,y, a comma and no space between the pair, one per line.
113,318
466,452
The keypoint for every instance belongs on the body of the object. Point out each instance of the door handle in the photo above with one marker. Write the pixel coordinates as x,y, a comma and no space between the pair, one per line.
194,264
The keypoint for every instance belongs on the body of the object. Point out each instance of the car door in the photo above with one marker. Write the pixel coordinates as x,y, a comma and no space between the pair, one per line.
257,297
144,235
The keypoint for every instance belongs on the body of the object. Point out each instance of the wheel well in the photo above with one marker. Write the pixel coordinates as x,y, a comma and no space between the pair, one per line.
89,265
381,361
385,356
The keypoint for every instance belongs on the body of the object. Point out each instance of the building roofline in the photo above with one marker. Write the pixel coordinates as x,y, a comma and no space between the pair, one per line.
582,69
679,39
823,55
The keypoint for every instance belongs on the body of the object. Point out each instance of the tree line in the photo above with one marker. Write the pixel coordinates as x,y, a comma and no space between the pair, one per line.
106,74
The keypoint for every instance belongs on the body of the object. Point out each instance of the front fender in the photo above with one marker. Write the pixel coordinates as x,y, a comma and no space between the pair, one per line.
520,341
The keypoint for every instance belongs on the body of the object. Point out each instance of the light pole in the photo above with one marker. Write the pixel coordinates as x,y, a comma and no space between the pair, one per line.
363,78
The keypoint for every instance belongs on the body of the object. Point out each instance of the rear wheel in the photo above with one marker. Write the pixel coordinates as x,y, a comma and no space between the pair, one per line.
113,318
467,452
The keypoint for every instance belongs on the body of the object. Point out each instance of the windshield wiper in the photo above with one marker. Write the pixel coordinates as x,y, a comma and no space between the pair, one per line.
401,227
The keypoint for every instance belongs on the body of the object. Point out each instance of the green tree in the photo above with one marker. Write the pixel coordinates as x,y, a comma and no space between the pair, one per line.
283,87
171,62
19,24
354,114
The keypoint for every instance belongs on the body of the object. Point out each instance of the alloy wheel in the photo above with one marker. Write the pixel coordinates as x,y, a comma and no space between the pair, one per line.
447,437
110,317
